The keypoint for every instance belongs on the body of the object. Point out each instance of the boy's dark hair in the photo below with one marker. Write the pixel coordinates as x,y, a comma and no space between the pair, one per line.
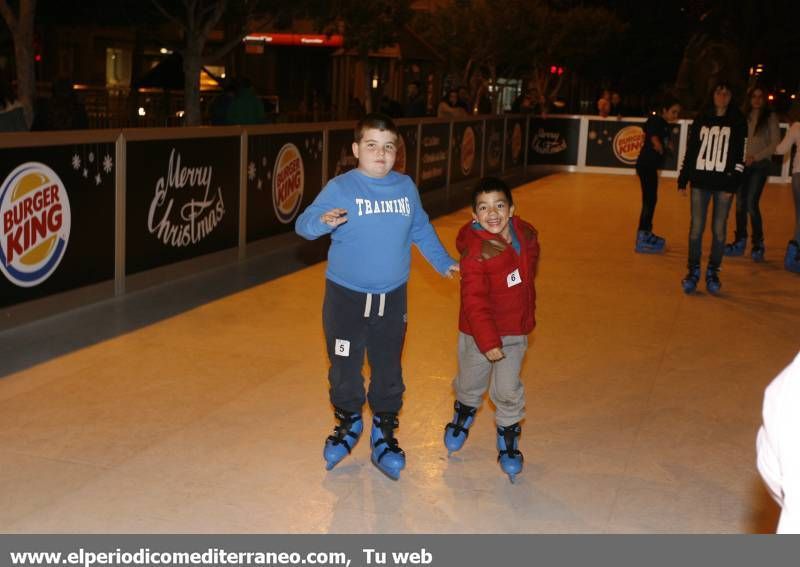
488,185
377,121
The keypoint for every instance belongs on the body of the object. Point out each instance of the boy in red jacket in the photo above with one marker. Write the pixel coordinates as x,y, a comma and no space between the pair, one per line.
499,253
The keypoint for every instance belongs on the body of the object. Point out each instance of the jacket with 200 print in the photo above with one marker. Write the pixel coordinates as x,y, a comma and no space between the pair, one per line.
498,297
715,152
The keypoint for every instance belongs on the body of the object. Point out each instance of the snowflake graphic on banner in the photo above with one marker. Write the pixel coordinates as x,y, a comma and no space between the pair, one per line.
251,171
87,163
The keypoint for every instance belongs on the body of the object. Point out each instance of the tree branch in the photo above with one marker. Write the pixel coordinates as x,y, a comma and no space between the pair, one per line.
164,13
251,26
8,15
212,21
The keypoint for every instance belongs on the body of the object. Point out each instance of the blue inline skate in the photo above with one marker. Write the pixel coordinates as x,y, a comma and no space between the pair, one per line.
456,432
757,251
713,285
386,453
649,243
344,438
791,261
509,457
736,248
689,283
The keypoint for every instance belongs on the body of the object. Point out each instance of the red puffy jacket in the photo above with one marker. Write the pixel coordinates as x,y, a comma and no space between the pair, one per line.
498,297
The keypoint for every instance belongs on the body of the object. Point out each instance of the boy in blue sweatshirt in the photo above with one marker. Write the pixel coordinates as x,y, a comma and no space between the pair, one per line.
373,215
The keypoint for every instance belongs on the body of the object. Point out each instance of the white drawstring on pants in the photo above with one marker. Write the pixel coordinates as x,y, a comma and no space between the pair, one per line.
381,305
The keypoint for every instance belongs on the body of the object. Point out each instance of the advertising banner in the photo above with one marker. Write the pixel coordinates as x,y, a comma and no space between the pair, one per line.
340,152
57,211
493,150
614,143
406,161
515,142
284,174
465,157
182,200
433,156
554,141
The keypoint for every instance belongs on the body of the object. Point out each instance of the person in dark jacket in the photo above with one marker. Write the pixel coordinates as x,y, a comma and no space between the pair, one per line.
713,165
656,146
415,101
499,253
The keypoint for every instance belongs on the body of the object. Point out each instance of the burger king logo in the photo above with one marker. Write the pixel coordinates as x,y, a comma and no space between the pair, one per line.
400,156
516,143
628,143
467,150
36,221
287,183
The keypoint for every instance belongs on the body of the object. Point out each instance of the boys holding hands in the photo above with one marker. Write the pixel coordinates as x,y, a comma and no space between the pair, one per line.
499,253
373,215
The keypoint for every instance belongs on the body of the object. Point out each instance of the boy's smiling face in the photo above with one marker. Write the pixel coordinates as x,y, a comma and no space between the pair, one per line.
493,213
376,152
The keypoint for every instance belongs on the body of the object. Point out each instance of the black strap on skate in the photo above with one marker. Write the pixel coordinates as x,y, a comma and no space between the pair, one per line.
387,424
463,413
510,435
344,430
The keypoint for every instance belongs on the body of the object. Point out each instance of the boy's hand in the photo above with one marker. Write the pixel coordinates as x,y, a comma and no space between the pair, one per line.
334,217
495,354
453,271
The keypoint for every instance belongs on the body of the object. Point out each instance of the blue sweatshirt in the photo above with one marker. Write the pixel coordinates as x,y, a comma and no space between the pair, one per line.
371,252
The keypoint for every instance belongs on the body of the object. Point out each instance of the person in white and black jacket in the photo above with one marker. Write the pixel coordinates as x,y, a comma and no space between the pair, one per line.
713,165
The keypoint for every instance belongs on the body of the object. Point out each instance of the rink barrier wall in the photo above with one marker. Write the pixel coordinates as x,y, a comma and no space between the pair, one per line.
151,206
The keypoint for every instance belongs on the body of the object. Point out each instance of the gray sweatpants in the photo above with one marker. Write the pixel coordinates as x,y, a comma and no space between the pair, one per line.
476,374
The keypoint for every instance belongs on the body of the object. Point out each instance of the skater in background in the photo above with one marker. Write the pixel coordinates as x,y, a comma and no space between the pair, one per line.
651,158
713,165
373,215
791,260
499,253
449,106
762,137
778,451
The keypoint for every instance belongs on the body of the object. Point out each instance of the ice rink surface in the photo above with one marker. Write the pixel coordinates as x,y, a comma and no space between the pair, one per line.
642,403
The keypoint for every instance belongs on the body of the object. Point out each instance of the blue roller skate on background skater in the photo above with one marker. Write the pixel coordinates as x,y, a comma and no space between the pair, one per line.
713,285
344,438
456,432
509,457
791,261
757,252
386,453
649,243
689,283
736,248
